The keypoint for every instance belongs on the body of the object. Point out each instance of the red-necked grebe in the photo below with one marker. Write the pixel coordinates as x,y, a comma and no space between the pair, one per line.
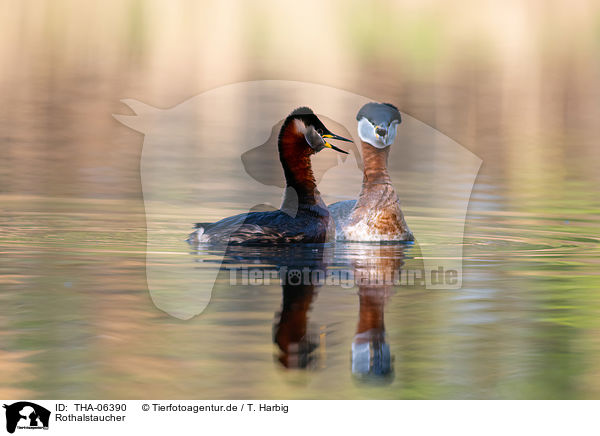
376,215
303,216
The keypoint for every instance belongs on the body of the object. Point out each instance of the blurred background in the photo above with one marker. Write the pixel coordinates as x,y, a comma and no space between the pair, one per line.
515,82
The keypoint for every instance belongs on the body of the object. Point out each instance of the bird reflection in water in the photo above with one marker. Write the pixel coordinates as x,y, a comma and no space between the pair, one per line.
290,329
302,271
375,269
302,268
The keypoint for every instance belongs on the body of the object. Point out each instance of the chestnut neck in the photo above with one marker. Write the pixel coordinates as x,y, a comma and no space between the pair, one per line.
294,154
375,165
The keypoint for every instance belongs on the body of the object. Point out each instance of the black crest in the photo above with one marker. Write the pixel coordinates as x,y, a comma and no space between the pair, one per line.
379,113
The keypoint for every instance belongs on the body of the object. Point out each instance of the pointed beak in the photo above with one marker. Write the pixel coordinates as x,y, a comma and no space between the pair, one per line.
333,147
381,131
338,137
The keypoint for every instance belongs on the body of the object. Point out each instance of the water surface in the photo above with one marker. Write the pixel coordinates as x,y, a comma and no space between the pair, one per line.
516,84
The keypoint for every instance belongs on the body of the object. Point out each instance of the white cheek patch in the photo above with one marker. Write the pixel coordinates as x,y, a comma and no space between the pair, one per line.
366,132
313,138
391,135
299,127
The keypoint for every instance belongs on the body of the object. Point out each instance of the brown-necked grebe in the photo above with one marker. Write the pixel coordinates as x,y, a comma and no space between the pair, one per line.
303,216
376,215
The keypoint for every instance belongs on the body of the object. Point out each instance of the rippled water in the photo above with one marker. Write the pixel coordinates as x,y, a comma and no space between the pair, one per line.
77,320
514,84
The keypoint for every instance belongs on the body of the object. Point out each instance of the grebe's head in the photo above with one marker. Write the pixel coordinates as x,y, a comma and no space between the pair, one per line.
377,124
303,123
